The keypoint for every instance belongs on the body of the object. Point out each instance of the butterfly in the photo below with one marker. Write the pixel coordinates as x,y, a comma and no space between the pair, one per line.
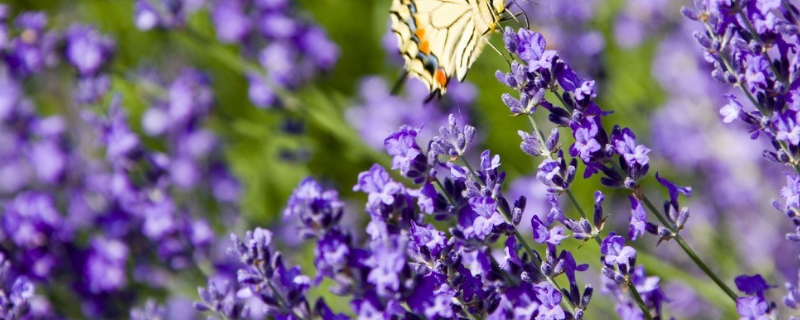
439,39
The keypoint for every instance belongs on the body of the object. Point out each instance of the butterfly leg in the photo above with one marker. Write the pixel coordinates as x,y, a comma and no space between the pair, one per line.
398,85
498,51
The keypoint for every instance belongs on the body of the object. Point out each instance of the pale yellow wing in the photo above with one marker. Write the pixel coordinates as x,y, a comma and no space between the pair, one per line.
441,38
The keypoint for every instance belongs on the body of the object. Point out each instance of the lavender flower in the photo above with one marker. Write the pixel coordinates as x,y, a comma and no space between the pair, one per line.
14,300
87,50
316,209
105,266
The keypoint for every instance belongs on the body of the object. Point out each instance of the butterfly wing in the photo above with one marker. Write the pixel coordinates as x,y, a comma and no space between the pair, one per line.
438,38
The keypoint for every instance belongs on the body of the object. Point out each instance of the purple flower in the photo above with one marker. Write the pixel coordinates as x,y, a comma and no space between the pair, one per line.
787,128
230,20
542,235
190,95
752,285
406,154
31,219
531,45
87,49
320,49
105,266
487,217
276,25
379,186
260,94
674,190
316,209
386,263
550,308
332,253
616,254
732,110
752,308
150,311
145,16
585,143
625,145
434,241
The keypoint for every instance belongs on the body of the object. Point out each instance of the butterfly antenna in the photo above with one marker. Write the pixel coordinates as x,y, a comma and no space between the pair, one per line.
498,52
399,84
523,13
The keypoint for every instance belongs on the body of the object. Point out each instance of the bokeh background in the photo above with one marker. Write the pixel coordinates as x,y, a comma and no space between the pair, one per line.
648,69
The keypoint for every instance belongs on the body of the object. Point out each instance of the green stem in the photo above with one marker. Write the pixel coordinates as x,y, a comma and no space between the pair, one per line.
639,301
703,266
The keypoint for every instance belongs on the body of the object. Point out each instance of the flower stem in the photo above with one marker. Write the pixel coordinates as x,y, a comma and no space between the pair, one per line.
703,266
639,301
549,155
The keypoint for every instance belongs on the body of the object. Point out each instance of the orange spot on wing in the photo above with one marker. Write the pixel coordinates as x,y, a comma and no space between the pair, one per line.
420,33
441,78
425,47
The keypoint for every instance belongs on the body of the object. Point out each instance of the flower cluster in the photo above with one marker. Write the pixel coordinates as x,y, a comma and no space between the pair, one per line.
407,265
286,51
69,214
620,158
750,45
290,50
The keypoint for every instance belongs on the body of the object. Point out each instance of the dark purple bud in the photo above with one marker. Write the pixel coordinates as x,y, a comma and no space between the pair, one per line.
559,116
571,171
731,78
587,295
755,47
783,157
547,269
585,226
200,307
493,304
691,14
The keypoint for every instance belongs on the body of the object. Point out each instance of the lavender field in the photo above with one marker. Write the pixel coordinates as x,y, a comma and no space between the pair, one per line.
260,159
